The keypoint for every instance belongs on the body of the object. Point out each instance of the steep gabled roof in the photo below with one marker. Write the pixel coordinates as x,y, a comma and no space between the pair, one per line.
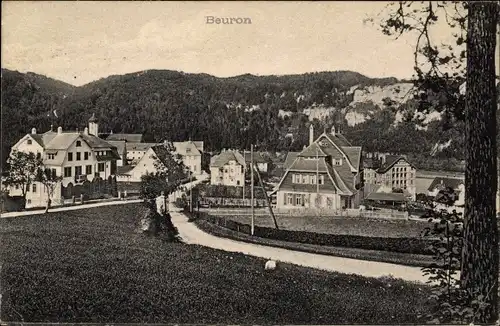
132,146
119,144
129,138
257,157
390,160
353,153
338,139
290,157
445,183
224,157
186,148
313,150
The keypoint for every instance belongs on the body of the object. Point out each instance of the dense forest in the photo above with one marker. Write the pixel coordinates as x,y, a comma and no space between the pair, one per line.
224,112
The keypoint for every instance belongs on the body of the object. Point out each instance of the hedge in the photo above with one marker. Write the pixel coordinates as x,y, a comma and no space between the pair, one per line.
401,245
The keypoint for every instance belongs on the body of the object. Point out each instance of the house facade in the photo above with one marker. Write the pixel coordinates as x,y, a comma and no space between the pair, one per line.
393,171
325,175
227,169
258,159
85,162
191,153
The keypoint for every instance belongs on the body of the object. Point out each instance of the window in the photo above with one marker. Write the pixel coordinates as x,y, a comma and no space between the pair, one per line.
338,162
313,179
298,200
88,169
86,155
17,186
38,155
78,143
100,166
67,172
289,199
78,156
53,172
29,142
70,157
78,170
34,187
321,179
51,156
305,179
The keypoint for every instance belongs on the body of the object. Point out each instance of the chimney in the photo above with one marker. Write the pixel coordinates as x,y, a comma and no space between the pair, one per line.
59,130
51,127
33,131
311,134
333,130
86,131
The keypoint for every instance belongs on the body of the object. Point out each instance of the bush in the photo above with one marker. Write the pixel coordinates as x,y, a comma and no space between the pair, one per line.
401,245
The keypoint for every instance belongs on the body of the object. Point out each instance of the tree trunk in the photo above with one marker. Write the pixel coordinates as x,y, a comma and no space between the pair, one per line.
48,205
479,270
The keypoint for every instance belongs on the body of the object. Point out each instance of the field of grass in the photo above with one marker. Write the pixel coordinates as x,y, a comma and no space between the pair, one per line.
91,266
339,225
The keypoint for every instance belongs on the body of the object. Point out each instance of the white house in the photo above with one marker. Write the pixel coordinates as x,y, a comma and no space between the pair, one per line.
228,169
79,157
258,159
145,165
191,153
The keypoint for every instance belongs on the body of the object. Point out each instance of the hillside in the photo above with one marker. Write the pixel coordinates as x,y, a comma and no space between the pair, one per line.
228,112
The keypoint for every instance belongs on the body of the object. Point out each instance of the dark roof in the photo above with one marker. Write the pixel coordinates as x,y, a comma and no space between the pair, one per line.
383,196
129,138
443,183
290,158
119,144
257,157
123,169
390,160
312,150
224,157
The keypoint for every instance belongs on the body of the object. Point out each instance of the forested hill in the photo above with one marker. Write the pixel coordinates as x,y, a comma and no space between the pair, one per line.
273,112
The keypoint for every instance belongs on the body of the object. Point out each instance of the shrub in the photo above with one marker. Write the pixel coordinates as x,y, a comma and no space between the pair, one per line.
401,245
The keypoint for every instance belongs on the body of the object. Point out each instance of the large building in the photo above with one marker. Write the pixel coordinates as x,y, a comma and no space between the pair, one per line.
390,171
81,158
325,175
227,169
144,162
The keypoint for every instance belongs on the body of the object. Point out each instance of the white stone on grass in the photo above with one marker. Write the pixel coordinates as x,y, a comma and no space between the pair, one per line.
270,265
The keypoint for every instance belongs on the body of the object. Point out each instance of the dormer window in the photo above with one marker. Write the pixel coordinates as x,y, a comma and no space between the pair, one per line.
338,162
78,143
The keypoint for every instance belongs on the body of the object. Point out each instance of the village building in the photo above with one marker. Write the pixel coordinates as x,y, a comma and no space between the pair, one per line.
227,169
259,161
327,174
86,162
391,171
143,162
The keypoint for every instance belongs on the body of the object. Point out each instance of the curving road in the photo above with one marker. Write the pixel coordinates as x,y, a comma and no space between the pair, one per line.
192,235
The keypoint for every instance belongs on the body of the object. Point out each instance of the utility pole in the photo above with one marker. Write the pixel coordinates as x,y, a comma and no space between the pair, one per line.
244,175
191,193
251,192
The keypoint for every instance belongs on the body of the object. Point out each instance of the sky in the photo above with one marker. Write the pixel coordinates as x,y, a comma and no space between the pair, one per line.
78,42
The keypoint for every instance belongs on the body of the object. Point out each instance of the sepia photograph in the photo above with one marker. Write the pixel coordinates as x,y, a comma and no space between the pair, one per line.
250,162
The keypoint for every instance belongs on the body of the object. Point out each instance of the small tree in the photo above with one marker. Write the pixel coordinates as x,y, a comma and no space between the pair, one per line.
23,171
169,175
49,179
